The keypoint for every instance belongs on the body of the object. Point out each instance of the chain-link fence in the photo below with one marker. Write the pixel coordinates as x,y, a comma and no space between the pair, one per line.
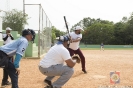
38,21
43,24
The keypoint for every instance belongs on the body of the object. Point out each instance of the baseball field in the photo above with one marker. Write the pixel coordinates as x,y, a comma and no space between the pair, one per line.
99,64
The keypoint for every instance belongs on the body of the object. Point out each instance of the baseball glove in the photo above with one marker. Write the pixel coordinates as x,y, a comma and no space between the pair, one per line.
77,58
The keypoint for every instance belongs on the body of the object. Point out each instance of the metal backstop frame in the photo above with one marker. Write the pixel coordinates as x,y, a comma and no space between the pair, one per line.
44,30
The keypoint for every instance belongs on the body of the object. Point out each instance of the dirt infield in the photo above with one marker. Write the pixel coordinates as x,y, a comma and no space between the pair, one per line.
99,64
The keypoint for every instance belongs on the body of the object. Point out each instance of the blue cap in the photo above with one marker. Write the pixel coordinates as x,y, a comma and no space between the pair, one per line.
60,41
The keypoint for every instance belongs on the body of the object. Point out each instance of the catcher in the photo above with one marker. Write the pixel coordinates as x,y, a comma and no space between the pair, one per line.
53,64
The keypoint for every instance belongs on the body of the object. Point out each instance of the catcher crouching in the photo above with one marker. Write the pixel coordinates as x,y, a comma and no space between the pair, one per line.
53,64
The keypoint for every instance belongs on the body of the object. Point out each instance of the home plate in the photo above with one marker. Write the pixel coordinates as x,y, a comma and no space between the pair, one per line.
99,77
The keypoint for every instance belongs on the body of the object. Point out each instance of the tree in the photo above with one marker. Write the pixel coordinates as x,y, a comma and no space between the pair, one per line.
123,31
129,30
53,34
97,33
119,33
56,33
15,20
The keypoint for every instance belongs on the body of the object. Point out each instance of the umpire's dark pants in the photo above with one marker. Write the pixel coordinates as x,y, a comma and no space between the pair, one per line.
78,51
5,74
11,71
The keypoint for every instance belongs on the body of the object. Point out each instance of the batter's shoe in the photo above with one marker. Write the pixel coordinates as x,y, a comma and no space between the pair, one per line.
84,71
48,82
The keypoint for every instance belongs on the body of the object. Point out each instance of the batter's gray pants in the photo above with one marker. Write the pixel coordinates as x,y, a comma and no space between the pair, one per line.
63,71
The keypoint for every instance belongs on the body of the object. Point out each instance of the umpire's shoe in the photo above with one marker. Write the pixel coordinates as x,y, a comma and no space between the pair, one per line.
5,83
48,82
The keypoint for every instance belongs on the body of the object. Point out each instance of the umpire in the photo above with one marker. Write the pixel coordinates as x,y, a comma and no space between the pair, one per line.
17,48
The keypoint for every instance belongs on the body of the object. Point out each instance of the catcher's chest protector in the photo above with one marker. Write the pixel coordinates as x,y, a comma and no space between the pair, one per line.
3,60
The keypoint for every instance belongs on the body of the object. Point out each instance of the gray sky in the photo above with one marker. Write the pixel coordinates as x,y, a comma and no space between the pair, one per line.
74,10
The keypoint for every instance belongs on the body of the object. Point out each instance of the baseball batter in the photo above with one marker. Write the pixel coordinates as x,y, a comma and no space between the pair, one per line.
74,48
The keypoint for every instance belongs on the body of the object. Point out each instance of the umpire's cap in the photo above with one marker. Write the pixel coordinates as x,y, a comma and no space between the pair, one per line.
29,31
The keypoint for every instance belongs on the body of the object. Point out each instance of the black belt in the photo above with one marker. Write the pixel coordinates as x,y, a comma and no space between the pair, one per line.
3,52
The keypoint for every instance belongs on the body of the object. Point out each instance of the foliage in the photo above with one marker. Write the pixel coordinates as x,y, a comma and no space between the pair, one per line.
15,20
56,33
97,31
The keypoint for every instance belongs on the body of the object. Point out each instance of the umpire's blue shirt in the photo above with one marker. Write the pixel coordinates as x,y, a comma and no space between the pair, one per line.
16,47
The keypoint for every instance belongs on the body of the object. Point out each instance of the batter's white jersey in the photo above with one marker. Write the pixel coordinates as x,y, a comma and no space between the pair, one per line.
56,55
75,45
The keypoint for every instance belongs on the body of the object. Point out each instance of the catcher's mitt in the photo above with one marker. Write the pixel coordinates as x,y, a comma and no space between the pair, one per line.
77,58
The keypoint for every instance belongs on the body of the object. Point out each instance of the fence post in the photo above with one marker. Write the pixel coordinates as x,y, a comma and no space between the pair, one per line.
39,32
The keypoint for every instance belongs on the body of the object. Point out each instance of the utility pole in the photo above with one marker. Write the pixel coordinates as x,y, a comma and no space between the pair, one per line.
24,7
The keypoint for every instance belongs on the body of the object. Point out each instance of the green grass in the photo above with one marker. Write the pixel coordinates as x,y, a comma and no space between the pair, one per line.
107,48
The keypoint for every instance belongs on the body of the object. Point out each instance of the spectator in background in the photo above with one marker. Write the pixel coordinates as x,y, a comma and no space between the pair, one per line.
102,46
8,36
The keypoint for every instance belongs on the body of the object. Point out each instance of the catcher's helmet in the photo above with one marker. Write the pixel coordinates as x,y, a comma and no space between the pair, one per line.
62,39
29,31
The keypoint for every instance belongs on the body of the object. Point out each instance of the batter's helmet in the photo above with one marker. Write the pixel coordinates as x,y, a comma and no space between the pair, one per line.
29,31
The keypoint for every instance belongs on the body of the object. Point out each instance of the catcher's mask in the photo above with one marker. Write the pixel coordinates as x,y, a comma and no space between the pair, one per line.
62,39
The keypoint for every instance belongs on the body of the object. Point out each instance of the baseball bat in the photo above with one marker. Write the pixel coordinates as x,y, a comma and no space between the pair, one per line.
66,25
67,29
